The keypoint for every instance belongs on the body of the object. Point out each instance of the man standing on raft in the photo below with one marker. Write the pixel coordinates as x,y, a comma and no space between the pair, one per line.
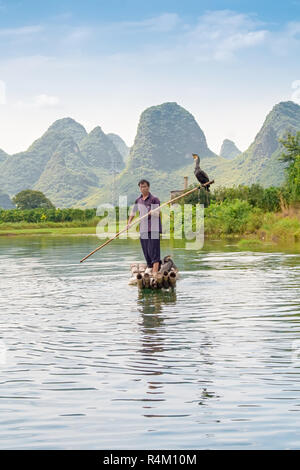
150,227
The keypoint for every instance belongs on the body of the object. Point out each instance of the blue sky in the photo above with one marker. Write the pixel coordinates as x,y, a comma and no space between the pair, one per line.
103,63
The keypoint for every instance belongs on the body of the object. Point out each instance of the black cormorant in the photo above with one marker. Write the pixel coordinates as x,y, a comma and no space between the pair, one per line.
201,176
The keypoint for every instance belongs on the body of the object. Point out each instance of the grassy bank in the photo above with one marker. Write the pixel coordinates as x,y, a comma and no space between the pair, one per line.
235,219
59,228
238,219
49,230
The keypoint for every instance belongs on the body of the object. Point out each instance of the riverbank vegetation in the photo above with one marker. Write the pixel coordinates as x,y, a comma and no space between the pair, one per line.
43,220
230,218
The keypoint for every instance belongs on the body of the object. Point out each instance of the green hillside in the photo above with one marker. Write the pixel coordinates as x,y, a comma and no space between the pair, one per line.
5,201
229,150
66,163
3,156
166,137
67,176
259,163
22,170
100,152
120,145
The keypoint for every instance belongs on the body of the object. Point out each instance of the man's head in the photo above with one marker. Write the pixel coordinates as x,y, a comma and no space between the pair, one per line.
144,186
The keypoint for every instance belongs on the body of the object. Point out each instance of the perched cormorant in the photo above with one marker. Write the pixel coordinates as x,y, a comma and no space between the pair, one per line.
201,176
168,264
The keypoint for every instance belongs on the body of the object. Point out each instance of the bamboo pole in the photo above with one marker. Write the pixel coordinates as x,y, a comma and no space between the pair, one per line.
172,278
139,279
166,279
159,280
146,215
146,280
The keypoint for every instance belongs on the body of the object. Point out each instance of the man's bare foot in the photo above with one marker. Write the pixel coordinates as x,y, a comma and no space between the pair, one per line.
155,268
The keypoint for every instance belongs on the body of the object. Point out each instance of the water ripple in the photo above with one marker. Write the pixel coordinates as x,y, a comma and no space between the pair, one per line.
83,355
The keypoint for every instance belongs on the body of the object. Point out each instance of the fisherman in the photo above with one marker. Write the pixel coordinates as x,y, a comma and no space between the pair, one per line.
150,227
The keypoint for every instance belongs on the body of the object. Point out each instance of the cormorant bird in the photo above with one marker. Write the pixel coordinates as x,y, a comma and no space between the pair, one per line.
168,264
201,176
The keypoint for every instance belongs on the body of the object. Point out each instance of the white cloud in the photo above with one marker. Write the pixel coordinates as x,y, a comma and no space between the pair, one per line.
163,23
78,34
2,92
45,100
31,63
24,30
216,36
296,84
219,34
39,101
61,16
293,29
287,41
160,24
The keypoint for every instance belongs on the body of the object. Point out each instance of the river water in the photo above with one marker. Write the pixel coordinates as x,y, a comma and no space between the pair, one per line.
88,362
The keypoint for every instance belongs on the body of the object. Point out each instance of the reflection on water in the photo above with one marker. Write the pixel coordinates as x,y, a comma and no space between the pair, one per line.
150,304
152,301
87,361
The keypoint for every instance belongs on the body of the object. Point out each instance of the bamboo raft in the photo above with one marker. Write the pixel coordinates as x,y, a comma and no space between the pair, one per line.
165,278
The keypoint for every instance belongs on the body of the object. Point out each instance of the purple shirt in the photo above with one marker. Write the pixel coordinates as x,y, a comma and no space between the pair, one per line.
144,206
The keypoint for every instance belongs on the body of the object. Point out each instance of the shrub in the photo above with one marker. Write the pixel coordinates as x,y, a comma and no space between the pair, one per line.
46,215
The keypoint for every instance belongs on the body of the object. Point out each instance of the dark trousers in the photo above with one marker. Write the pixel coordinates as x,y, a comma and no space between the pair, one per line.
151,248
